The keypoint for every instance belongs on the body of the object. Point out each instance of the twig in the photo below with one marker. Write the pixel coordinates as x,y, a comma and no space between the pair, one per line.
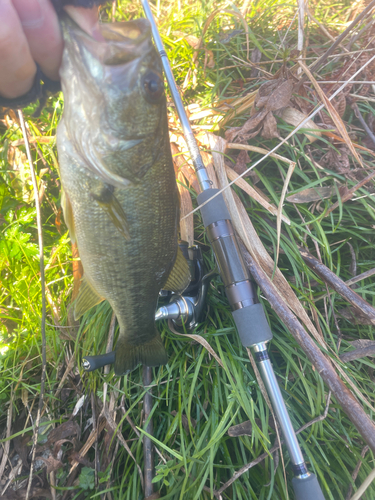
360,277
66,373
360,32
259,459
358,353
94,426
42,279
356,471
324,367
7,442
301,24
337,284
111,334
148,451
362,97
358,114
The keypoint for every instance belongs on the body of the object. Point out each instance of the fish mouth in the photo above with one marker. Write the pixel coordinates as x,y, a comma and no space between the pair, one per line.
122,42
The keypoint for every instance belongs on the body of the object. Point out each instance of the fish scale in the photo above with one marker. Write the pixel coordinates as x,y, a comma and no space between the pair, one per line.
121,201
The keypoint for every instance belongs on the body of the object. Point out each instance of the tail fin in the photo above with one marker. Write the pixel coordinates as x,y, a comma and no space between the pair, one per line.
128,356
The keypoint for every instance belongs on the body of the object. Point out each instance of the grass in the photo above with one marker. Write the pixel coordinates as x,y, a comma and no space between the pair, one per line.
195,400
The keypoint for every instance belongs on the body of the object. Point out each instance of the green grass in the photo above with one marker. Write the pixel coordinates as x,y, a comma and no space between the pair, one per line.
193,385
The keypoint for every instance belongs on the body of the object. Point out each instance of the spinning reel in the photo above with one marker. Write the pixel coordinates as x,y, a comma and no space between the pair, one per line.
183,310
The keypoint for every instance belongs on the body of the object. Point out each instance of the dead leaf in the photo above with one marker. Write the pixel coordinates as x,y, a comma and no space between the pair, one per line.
192,40
154,496
368,142
255,58
280,97
63,431
231,133
264,92
21,494
269,130
302,101
271,96
20,446
241,162
333,113
295,117
311,194
243,429
339,103
253,122
181,164
337,159
52,463
76,457
209,59
57,447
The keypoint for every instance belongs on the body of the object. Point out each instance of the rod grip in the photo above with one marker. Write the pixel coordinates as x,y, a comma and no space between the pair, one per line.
215,209
252,325
307,488
91,363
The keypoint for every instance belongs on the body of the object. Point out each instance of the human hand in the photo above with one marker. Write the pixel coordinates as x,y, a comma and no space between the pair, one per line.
29,34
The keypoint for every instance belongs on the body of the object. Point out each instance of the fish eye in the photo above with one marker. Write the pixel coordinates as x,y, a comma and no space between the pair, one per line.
153,87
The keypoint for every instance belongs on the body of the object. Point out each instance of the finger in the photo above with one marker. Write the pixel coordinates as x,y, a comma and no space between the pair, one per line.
17,68
41,27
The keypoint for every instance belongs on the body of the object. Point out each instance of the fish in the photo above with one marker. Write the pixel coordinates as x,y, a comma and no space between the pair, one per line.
120,199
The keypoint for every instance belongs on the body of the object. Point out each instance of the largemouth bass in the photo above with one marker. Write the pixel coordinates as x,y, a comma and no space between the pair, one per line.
120,202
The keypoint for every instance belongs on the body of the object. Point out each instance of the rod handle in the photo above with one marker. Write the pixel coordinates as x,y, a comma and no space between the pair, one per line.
307,488
91,363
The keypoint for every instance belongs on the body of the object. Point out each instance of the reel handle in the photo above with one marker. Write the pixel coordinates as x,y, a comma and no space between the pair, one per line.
91,363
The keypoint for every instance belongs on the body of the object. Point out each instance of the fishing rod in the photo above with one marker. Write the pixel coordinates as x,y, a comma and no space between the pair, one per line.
248,313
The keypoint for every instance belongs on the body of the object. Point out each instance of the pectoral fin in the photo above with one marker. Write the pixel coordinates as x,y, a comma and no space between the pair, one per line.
68,214
179,278
112,207
87,298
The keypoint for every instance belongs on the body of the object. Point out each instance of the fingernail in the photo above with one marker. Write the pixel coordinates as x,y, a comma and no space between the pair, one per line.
29,12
